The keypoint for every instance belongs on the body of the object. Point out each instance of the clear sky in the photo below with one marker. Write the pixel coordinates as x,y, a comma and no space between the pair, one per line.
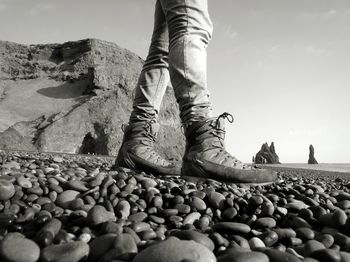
281,67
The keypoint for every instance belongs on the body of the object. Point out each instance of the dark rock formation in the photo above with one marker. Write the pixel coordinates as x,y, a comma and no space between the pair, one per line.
74,98
312,159
267,155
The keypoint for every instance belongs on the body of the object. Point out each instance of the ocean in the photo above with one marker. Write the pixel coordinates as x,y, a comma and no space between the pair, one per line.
338,167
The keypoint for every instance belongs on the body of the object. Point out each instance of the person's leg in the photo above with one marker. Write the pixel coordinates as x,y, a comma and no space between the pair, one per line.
190,30
154,76
137,149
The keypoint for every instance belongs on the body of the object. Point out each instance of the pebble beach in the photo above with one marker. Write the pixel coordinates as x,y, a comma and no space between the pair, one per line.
61,207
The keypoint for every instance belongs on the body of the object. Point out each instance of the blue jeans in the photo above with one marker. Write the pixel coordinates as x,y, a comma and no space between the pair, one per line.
182,31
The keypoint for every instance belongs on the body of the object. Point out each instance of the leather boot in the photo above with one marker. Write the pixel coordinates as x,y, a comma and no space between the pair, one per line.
137,151
206,156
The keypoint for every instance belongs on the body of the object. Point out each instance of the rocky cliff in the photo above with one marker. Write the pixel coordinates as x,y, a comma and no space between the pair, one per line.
74,98
267,155
312,159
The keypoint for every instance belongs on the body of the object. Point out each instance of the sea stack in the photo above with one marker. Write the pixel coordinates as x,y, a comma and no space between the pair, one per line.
312,160
267,155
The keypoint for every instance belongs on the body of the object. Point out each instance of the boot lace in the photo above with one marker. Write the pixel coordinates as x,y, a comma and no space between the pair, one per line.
149,133
219,133
227,116
149,153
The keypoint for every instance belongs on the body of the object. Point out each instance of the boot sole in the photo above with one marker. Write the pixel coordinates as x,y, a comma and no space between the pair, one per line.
134,162
194,179
204,175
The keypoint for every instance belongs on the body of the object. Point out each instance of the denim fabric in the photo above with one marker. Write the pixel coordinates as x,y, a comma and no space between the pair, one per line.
182,31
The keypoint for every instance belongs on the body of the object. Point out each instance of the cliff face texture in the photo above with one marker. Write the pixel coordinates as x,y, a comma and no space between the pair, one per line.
267,155
74,98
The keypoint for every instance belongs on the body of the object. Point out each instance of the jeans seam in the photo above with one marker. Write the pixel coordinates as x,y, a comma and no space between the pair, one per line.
160,82
185,54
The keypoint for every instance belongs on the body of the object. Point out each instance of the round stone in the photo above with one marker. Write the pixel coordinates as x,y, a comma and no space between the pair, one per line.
85,237
326,255
138,217
219,240
243,255
141,226
123,209
295,241
71,251
76,204
24,182
157,201
112,227
345,204
278,256
267,210
7,189
256,200
300,222
318,211
191,218
311,246
123,247
241,241
197,203
216,200
269,238
326,239
284,233
305,233
229,213
47,233
306,213
57,159
174,250
310,259
76,185
296,205
156,219
147,235
169,212
256,243
11,165
183,208
345,256
98,215
148,182
15,247
231,228
100,245
342,240
343,196
65,198
339,217
195,236
265,222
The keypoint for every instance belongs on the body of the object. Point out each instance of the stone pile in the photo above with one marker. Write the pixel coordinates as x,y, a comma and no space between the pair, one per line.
74,208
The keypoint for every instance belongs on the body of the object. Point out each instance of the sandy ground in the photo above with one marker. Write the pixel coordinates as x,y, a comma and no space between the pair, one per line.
309,173
338,167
